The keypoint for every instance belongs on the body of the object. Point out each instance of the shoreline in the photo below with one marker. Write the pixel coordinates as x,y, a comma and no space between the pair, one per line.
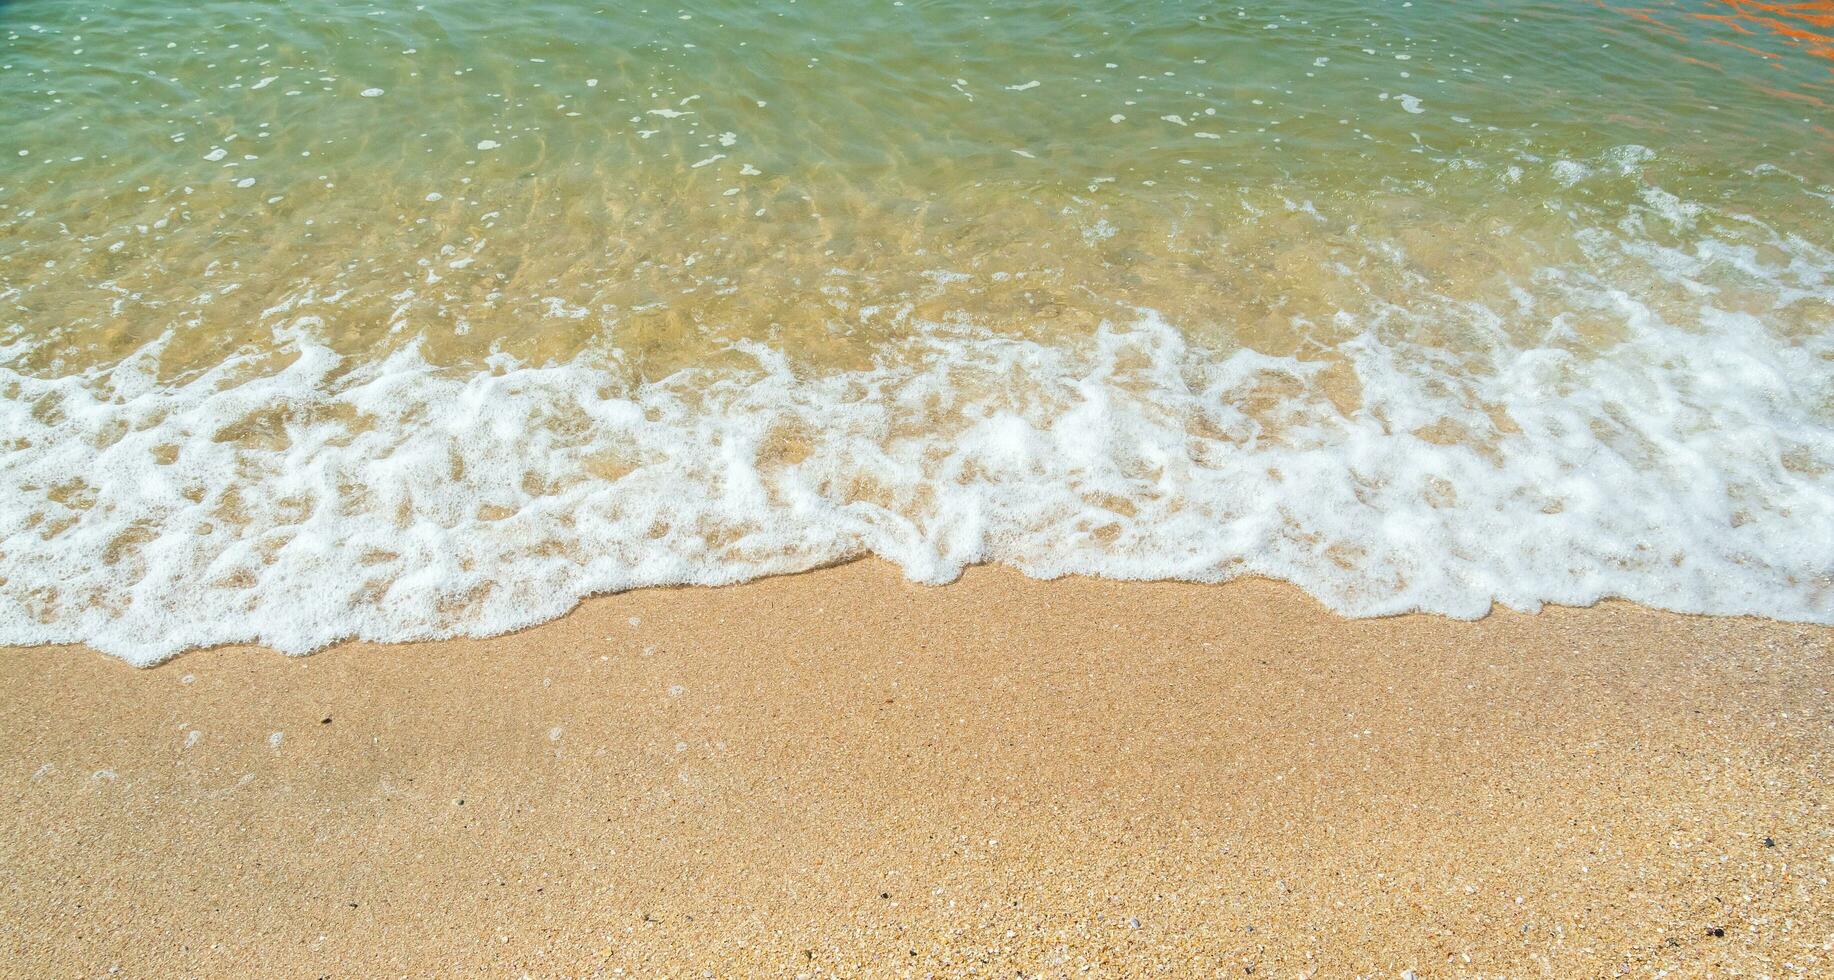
843,773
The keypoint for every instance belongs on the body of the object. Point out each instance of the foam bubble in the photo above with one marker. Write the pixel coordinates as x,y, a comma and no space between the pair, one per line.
1128,460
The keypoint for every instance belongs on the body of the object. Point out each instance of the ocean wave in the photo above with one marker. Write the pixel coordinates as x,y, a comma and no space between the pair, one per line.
296,499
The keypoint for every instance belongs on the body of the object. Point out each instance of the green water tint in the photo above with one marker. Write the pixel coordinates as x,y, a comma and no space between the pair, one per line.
646,185
322,320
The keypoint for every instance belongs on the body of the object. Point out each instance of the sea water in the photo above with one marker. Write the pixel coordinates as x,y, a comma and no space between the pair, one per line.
404,320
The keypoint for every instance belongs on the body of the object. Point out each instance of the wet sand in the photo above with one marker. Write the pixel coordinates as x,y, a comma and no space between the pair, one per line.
841,773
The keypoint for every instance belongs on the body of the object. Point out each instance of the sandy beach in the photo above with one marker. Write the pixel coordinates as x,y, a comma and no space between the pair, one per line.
1023,326
844,774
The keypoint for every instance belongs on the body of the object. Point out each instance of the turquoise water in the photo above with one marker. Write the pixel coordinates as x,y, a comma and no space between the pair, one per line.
406,320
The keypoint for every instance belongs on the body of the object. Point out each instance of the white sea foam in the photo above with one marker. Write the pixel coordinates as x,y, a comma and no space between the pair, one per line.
473,505
302,500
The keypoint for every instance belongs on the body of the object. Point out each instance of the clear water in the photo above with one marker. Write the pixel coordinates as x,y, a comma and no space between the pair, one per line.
407,320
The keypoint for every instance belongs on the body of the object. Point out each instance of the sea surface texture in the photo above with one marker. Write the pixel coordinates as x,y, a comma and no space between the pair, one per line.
405,320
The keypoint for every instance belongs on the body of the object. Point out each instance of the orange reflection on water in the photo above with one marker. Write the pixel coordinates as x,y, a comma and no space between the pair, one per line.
1808,25
1805,25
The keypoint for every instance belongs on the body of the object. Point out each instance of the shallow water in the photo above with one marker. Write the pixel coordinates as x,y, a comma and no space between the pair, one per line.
396,321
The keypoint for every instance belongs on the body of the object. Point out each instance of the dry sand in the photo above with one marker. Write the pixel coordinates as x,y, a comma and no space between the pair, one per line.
841,773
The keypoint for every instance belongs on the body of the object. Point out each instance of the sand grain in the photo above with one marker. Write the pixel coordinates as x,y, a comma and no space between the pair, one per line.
841,773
